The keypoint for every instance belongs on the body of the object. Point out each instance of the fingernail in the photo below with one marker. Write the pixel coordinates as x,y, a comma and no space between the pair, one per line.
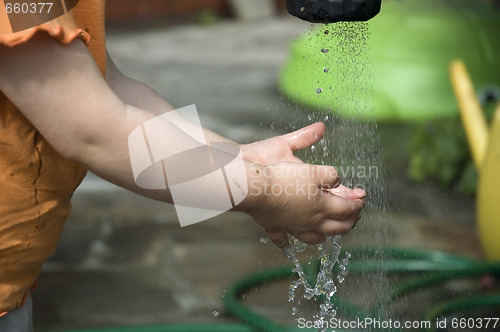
359,192
337,190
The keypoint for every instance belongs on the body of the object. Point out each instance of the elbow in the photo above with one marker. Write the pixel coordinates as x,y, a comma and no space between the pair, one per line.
76,149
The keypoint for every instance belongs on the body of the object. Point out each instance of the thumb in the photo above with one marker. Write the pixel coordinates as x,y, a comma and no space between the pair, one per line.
305,137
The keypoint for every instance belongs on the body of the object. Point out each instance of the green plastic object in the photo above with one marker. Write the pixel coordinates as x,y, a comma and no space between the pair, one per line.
423,268
410,46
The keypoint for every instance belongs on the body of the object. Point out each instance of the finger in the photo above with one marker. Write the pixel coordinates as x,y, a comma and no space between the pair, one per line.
305,137
325,177
310,237
348,193
333,227
280,239
338,208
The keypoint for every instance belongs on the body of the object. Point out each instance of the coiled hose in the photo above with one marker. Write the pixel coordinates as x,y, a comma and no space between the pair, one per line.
438,267
427,267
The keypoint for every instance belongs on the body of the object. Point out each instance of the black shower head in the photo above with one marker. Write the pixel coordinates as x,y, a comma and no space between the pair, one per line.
331,11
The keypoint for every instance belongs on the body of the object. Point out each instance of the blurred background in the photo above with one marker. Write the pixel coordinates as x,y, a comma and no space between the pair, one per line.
123,260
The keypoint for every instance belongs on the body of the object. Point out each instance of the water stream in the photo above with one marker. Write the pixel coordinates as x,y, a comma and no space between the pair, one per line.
352,145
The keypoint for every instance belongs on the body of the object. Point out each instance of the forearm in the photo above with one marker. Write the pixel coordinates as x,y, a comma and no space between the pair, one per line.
61,91
113,160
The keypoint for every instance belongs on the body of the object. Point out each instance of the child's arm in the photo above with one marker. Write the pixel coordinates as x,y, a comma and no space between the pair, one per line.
137,94
61,91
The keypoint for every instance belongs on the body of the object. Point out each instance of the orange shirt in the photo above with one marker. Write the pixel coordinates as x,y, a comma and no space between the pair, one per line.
36,183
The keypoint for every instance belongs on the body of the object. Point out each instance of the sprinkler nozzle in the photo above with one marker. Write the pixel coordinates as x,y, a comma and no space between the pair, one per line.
331,11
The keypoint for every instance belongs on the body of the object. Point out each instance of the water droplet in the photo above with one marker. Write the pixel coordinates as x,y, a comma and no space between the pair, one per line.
340,279
291,291
313,148
326,70
215,313
319,90
325,50
326,307
302,9
223,295
309,293
294,311
327,32
264,240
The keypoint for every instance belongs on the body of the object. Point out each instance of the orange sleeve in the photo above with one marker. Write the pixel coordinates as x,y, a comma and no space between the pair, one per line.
63,28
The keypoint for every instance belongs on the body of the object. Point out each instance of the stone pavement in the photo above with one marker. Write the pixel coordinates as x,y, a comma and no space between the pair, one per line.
123,260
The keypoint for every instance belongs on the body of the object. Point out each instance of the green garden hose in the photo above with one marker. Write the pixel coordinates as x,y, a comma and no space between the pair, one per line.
465,303
175,328
438,266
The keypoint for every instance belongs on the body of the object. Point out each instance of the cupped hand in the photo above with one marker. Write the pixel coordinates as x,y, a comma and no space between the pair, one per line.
306,201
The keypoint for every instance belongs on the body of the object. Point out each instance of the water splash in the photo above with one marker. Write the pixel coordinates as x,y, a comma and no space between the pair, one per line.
326,284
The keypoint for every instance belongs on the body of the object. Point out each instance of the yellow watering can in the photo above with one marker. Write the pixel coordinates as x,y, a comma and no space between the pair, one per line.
485,146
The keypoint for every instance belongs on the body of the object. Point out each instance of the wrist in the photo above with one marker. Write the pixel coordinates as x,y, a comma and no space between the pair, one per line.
258,181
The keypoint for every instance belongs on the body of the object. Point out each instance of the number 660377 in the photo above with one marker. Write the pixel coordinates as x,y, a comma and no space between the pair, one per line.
28,7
